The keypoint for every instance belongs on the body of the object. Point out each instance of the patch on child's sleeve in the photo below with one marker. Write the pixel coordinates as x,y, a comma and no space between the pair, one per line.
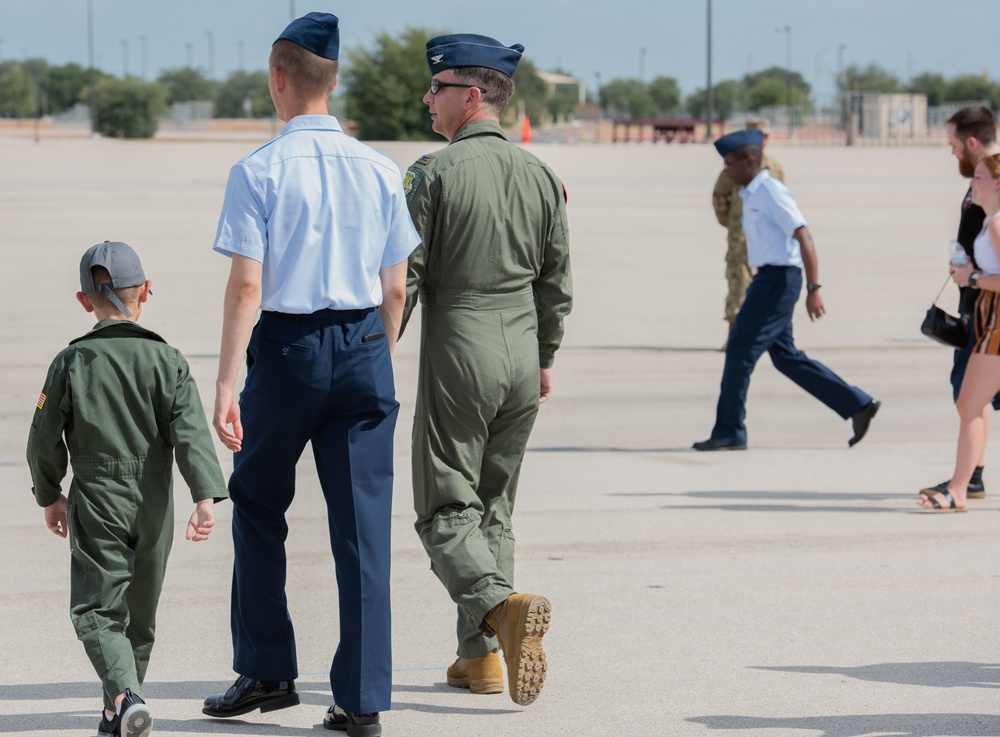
41,400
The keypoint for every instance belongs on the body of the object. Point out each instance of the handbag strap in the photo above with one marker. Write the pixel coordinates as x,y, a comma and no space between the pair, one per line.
946,280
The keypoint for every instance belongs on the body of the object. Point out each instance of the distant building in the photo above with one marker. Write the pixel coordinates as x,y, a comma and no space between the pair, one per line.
555,81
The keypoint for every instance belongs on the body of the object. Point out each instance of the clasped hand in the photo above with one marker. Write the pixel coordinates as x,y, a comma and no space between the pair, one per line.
961,274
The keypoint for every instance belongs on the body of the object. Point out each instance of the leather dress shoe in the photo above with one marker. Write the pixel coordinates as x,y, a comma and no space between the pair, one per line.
356,725
719,444
248,694
861,420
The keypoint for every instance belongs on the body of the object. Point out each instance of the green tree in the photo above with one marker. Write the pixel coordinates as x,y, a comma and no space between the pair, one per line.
971,87
628,97
65,86
186,84
241,86
727,98
530,92
563,101
872,78
767,93
666,94
128,108
762,90
17,92
930,84
385,86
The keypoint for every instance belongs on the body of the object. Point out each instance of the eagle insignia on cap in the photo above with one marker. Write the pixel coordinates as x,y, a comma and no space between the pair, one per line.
437,59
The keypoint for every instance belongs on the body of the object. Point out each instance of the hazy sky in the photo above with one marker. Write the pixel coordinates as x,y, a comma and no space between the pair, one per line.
585,37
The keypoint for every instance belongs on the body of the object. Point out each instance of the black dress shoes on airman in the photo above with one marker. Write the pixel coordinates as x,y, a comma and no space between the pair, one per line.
719,444
248,694
861,420
356,725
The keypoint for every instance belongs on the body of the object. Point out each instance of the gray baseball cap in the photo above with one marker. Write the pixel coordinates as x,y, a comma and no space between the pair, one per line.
121,262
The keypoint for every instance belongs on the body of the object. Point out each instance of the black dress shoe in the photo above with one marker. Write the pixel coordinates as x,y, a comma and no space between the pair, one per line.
356,725
861,420
719,444
248,694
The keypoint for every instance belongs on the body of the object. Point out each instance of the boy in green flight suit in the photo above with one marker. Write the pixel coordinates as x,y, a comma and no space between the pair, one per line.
119,404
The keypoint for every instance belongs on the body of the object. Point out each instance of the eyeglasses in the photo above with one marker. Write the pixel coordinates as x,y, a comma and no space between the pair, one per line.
437,86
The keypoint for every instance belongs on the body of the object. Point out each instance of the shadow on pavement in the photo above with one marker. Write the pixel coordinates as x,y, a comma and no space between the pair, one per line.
860,725
951,674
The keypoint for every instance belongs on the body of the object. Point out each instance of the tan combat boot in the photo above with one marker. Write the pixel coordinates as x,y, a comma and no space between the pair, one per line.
519,624
479,675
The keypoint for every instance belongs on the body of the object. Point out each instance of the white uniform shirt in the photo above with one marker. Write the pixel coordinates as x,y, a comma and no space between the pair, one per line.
322,212
770,216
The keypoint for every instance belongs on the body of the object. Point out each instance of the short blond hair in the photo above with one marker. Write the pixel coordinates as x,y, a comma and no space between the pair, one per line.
128,296
311,76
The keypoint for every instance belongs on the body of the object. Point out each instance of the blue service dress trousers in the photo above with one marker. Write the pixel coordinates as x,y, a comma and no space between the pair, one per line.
324,378
764,323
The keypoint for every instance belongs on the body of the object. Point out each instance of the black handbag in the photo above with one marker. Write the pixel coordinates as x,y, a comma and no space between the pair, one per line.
943,327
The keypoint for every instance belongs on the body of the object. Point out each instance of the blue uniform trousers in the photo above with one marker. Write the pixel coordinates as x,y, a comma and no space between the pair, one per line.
324,378
764,323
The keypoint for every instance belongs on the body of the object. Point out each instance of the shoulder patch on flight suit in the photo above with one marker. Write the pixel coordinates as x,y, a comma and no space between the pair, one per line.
414,176
41,400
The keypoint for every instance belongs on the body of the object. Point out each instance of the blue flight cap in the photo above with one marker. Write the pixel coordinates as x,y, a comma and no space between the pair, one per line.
739,139
315,32
471,50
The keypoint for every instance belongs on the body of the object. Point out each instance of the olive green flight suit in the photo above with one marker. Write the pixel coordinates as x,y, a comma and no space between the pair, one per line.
728,211
493,277
118,405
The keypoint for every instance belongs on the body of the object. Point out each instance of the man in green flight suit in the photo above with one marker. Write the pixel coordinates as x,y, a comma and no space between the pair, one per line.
728,210
493,278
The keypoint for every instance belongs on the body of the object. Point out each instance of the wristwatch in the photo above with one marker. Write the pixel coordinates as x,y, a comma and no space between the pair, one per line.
812,286
974,279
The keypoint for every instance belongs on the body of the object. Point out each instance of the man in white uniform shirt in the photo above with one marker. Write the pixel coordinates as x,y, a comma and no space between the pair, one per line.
318,231
780,247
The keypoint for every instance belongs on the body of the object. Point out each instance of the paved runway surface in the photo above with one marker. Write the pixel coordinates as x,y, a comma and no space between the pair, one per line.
793,590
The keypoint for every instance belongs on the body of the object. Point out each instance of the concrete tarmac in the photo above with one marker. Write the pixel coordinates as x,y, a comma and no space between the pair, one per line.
793,590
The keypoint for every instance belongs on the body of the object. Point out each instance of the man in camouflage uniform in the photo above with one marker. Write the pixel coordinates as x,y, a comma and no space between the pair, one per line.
729,210
493,279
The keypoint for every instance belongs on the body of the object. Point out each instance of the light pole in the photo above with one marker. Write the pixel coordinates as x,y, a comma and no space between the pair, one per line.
1,49
291,9
145,54
709,92
190,49
93,74
211,54
239,45
642,64
124,58
787,30
841,81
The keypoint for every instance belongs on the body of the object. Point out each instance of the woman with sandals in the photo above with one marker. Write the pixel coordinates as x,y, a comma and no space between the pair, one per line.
982,378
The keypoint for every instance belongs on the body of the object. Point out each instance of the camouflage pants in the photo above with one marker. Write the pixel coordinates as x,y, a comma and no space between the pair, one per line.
738,276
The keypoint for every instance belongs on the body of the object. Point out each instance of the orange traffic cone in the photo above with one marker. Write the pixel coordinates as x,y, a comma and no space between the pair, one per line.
526,130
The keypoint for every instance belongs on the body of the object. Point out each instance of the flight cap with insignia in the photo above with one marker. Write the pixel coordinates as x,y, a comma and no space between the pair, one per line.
315,32
732,141
472,50
121,262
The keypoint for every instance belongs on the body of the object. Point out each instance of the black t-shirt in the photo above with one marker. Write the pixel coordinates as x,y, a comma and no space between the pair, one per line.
970,224
969,227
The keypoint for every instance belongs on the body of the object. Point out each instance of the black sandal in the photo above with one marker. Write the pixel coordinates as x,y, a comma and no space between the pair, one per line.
936,505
